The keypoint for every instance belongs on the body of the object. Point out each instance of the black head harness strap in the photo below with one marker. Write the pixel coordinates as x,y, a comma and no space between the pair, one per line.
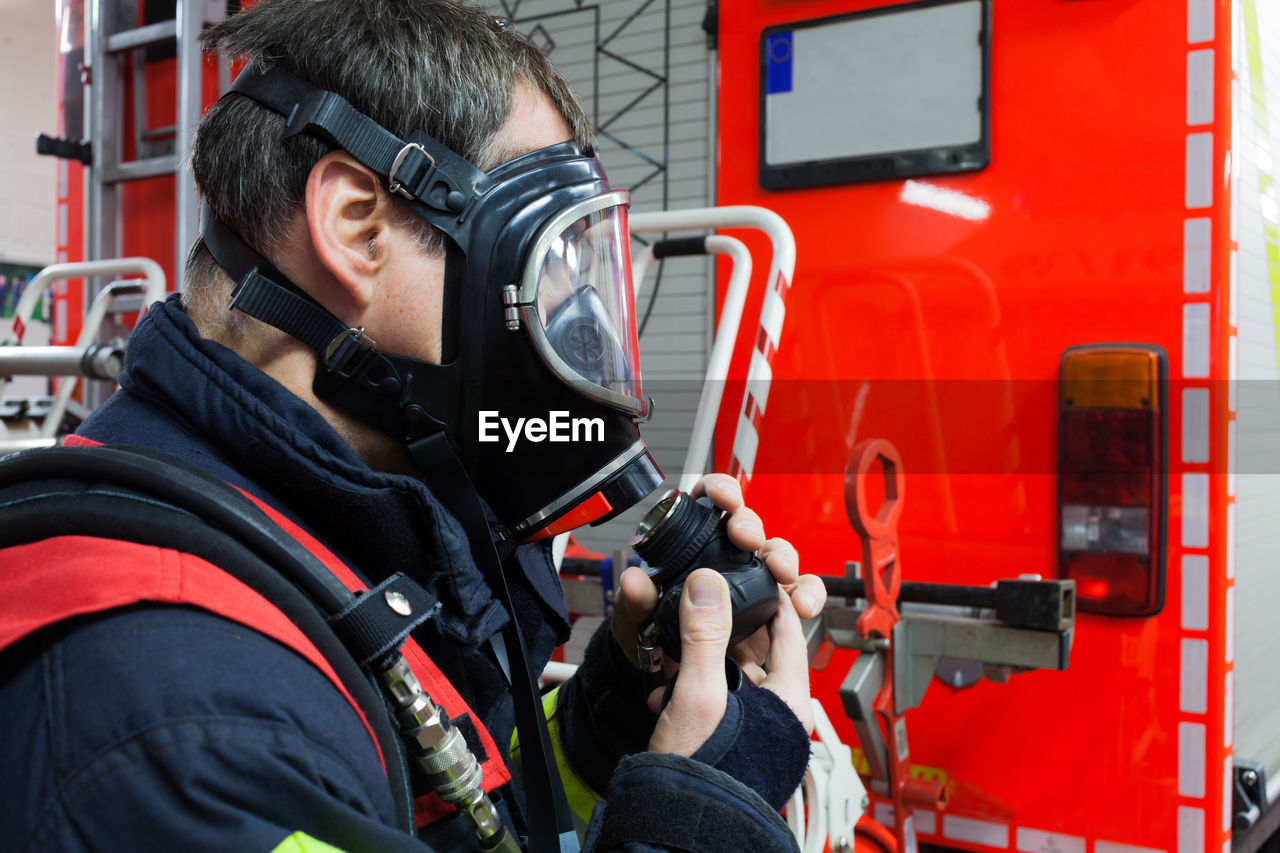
442,187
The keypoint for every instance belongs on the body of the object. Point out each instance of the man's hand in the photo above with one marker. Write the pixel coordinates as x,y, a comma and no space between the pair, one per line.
775,657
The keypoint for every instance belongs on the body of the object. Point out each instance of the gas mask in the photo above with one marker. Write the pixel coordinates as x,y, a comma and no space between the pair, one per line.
538,394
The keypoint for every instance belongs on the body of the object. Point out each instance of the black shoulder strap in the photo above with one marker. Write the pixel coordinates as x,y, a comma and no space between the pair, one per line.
141,495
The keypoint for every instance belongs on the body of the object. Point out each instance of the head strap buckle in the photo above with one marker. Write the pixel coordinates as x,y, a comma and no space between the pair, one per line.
340,352
395,185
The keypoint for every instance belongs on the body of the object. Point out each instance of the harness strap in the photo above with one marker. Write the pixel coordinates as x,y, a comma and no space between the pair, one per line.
379,621
427,808
47,582
61,494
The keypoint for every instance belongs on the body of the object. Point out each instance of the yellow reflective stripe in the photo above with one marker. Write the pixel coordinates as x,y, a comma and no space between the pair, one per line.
582,799
300,842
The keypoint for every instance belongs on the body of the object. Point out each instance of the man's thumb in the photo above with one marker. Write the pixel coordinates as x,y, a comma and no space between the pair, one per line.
699,694
705,622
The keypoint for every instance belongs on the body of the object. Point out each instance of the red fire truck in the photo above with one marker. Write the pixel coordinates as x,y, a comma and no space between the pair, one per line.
1037,251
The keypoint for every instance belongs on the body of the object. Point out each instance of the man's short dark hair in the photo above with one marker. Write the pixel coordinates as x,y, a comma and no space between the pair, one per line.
433,65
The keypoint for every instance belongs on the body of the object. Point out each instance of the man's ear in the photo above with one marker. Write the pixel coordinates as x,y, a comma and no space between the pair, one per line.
346,208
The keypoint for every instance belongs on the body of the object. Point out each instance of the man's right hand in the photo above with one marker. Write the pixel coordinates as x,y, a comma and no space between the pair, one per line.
700,694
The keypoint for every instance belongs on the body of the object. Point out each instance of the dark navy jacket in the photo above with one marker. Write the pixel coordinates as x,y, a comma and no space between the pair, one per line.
162,727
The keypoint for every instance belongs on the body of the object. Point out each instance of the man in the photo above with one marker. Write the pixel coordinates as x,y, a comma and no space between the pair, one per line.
404,214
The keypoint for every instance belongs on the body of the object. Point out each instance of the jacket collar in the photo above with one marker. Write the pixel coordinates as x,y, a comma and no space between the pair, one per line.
219,408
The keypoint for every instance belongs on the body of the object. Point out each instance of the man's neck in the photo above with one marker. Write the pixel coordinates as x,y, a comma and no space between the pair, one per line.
293,364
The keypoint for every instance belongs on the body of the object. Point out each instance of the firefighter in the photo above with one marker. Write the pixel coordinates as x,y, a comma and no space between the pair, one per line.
405,236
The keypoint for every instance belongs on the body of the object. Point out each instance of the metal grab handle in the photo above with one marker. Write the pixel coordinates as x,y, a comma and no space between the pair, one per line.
704,421
143,268
759,374
99,361
152,287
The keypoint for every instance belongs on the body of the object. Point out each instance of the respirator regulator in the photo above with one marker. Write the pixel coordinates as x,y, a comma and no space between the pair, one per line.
681,534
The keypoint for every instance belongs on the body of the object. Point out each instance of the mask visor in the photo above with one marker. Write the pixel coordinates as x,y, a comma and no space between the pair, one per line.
578,302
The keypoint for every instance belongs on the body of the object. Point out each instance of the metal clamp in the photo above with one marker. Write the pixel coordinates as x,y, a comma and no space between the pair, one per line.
511,307
339,351
392,183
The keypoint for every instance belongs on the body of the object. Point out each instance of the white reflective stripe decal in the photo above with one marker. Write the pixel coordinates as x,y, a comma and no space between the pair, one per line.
1191,745
1193,679
1233,353
1228,710
975,831
1195,592
1195,424
1199,189
926,822
1195,510
1231,624
1190,830
1191,737
1200,86
1228,793
1231,540
1233,289
1197,278
1113,847
1231,466
1039,841
1199,21
1196,253
1195,340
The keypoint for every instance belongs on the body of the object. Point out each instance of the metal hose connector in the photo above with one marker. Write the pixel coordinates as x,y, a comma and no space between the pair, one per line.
442,754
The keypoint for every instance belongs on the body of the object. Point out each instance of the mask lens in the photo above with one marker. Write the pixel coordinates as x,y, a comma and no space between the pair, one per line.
586,304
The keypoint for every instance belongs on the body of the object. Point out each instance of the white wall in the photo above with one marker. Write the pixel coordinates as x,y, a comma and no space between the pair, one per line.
28,50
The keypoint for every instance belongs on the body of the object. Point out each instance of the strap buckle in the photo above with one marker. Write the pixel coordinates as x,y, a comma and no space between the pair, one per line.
346,344
393,183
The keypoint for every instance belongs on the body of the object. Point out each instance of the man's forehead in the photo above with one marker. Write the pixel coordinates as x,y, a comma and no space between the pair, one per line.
533,123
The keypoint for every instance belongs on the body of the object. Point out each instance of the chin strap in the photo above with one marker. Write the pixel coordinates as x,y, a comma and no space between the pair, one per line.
385,391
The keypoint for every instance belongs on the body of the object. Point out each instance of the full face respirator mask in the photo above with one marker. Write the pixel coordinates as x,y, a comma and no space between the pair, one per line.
538,394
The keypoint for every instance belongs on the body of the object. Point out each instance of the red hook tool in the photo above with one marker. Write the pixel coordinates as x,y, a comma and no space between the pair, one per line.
882,576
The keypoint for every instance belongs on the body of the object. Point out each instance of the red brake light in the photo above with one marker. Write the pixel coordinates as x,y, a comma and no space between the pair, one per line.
1111,468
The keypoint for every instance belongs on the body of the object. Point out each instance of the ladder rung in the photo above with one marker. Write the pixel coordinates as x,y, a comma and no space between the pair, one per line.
164,32
137,170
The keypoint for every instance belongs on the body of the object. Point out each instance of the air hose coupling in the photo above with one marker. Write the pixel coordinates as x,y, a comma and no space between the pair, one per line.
442,754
